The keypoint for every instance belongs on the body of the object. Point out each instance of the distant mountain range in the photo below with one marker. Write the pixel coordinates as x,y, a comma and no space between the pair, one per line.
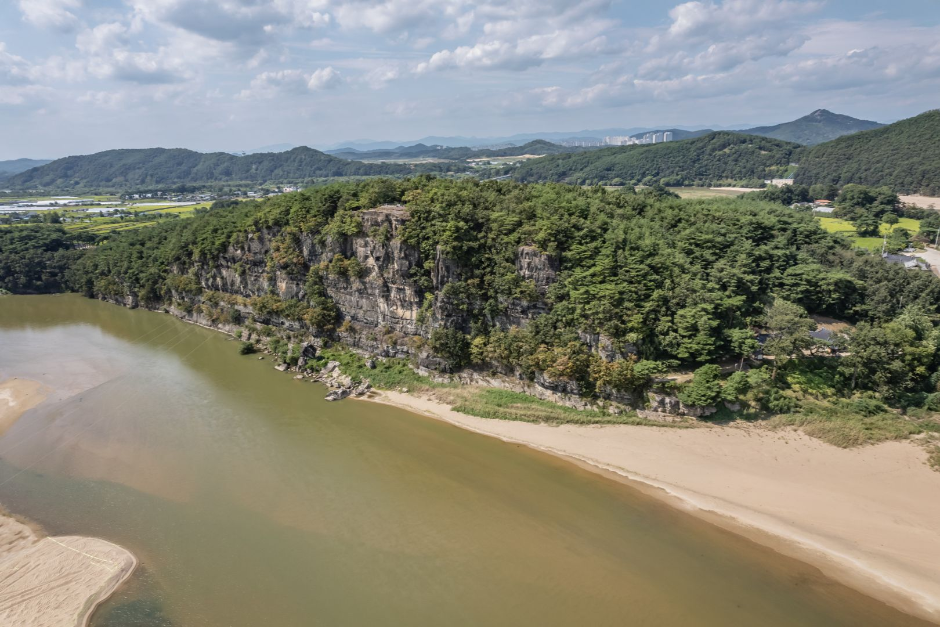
903,156
265,149
15,166
816,128
712,158
498,142
423,151
161,167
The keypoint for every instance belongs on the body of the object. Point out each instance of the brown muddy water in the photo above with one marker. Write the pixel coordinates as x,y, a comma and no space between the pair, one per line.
250,501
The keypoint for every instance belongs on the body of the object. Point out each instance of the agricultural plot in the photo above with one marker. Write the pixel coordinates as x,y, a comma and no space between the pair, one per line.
838,225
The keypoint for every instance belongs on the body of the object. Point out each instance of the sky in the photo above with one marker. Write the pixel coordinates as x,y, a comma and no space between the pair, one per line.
80,76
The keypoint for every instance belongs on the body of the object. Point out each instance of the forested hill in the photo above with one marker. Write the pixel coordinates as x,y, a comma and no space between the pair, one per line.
904,156
715,157
816,128
122,169
15,166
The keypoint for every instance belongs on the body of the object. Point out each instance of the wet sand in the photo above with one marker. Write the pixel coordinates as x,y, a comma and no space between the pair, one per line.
869,517
50,581
17,396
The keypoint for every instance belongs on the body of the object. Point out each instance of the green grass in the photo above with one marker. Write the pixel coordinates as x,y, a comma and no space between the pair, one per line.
495,404
390,374
836,225
705,192
387,375
933,457
873,244
847,424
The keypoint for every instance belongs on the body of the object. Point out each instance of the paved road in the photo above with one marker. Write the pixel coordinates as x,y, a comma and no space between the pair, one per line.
932,257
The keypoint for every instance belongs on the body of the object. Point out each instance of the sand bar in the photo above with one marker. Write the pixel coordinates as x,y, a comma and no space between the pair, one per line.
869,517
50,582
17,396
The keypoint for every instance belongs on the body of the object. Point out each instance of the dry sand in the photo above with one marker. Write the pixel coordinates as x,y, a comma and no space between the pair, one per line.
50,582
921,201
869,517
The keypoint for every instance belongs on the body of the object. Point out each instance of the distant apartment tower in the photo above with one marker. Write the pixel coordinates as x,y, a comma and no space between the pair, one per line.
658,138
667,136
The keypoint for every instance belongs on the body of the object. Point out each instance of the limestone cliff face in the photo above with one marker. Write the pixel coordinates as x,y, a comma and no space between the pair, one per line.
383,308
385,296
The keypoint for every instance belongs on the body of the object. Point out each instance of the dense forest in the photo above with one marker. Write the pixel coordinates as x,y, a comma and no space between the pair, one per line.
666,281
156,167
904,156
704,160
34,258
816,128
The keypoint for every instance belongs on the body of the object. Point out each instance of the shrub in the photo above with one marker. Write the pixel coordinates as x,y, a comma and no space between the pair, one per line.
247,348
452,345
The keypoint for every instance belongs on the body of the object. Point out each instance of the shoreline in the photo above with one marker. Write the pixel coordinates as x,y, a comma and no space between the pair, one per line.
738,484
51,580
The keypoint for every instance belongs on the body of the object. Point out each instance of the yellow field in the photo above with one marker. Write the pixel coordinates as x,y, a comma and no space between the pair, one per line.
707,192
838,225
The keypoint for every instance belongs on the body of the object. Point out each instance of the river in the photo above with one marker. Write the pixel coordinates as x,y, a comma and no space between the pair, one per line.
251,501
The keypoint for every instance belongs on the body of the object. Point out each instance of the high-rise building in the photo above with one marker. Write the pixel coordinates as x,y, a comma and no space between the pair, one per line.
667,136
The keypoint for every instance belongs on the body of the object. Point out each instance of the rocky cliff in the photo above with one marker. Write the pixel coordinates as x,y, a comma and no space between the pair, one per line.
387,299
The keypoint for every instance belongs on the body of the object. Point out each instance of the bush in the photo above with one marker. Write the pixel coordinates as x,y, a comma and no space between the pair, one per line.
247,348
452,345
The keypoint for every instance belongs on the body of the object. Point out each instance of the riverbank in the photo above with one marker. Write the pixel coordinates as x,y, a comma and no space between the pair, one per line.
50,581
867,517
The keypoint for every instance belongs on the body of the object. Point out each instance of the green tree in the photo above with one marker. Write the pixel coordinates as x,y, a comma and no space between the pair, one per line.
743,343
705,388
867,225
789,329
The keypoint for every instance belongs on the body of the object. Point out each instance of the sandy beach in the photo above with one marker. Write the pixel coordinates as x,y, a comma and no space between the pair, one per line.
50,582
869,517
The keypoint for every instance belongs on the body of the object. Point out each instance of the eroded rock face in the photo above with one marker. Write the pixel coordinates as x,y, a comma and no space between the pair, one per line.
380,308
536,266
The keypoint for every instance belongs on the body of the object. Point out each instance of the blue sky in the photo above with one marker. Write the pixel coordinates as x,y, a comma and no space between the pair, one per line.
78,76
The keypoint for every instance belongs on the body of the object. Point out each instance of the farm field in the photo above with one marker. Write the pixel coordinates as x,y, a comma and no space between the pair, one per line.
708,192
838,225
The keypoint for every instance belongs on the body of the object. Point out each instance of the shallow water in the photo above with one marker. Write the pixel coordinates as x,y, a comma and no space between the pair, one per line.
251,501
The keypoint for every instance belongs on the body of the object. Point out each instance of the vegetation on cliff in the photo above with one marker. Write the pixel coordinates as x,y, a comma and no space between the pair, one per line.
34,258
619,288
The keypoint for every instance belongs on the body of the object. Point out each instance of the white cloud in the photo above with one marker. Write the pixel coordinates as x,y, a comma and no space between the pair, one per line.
886,69
107,54
291,82
17,95
528,34
13,69
694,20
55,14
395,16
